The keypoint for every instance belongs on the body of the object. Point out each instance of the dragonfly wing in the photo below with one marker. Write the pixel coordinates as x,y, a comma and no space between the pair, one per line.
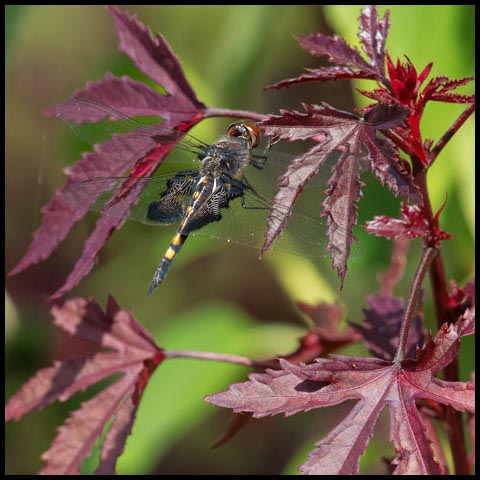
170,205
96,123
161,199
244,222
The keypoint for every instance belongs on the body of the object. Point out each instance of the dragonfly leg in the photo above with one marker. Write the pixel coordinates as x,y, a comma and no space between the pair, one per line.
270,142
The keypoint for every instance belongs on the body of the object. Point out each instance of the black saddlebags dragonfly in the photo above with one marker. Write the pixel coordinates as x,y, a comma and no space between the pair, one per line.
221,190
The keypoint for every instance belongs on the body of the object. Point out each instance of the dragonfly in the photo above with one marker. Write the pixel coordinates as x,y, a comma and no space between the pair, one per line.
222,190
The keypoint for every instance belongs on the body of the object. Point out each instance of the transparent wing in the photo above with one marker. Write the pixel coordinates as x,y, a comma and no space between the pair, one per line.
102,123
172,190
245,222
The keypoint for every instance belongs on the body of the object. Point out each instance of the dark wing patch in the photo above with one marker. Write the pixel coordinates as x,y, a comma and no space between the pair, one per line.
170,207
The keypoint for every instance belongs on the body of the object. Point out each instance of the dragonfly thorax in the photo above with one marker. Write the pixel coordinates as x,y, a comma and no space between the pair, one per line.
226,156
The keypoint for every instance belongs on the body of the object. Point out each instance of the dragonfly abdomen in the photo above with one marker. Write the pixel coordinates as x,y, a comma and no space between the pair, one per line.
161,272
207,200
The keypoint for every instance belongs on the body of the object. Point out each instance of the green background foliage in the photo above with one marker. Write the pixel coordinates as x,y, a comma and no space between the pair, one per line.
217,297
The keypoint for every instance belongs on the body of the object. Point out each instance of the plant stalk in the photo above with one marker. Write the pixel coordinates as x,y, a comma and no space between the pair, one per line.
221,357
453,419
415,290
451,131
225,112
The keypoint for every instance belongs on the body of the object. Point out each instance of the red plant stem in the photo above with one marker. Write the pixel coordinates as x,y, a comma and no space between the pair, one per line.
398,141
225,112
438,282
415,290
437,272
220,357
451,131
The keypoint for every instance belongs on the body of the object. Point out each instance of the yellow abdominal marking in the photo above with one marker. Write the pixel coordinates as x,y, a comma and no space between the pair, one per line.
196,195
188,211
170,253
176,240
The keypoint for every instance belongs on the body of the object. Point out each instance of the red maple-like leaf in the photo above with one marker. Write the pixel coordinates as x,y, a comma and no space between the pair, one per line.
355,142
348,61
404,88
134,354
324,338
381,326
180,109
412,224
373,35
375,384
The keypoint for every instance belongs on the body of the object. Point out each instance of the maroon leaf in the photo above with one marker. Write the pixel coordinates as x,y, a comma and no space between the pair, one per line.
375,384
381,95
322,74
412,224
154,58
467,322
387,167
461,299
384,116
125,95
114,443
325,336
348,61
439,87
135,356
353,140
340,205
59,217
373,35
141,155
335,48
104,228
381,327
429,415
82,430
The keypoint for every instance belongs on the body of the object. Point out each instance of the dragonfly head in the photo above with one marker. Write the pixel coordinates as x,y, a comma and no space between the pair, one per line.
246,130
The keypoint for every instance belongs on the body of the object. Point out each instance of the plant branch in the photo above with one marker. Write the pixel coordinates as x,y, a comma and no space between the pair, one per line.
398,141
438,282
437,272
220,357
225,112
451,131
415,290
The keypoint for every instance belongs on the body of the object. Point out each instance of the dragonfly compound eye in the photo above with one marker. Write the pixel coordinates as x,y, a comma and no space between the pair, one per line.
246,130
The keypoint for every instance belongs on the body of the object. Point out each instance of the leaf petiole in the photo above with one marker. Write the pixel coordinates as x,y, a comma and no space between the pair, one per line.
427,258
